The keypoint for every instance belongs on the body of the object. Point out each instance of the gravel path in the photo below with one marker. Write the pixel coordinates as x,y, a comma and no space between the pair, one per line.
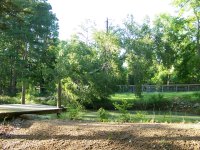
75,135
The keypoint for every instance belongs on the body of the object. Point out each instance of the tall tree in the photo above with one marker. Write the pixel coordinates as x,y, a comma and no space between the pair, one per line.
137,41
168,36
32,42
192,11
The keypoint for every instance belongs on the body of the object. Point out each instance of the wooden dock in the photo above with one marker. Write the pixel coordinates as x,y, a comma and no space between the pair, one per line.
9,110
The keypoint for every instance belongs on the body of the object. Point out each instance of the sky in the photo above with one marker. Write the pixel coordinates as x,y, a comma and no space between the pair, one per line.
73,13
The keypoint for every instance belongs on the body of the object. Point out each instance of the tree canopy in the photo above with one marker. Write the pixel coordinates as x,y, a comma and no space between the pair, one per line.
92,63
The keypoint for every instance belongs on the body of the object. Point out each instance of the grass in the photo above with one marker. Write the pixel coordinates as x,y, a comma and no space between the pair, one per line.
152,101
153,107
135,117
174,101
125,96
141,117
168,95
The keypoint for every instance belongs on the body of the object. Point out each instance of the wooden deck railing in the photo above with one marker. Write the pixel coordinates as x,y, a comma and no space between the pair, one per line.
160,88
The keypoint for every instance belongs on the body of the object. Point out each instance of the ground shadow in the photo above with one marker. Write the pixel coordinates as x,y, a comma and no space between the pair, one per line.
128,135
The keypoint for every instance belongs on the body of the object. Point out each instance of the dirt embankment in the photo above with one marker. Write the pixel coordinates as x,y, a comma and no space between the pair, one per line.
75,135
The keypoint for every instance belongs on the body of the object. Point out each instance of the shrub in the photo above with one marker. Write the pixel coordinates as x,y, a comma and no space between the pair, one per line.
99,103
9,100
123,109
74,110
158,102
139,116
103,115
197,94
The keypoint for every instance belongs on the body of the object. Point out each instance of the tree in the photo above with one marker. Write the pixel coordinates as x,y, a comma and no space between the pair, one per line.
193,7
169,35
9,11
190,66
89,72
32,42
74,61
136,40
108,54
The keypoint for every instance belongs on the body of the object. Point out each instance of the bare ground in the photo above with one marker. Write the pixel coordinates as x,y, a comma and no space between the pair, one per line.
75,135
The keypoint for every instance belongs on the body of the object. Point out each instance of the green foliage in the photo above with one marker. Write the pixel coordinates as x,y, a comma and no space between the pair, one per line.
26,45
140,116
90,67
86,75
158,102
51,100
138,45
98,103
9,11
197,94
9,100
123,109
103,115
74,110
180,101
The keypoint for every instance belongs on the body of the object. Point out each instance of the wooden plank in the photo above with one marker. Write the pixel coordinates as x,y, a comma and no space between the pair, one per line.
19,109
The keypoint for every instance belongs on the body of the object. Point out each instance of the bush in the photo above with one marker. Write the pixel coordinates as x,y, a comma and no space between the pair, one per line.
103,115
9,100
99,103
197,94
139,116
74,110
123,109
158,102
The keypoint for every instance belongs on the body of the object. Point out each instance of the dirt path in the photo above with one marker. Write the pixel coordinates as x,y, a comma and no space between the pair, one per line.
75,135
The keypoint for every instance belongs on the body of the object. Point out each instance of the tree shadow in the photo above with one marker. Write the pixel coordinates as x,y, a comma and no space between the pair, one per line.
129,136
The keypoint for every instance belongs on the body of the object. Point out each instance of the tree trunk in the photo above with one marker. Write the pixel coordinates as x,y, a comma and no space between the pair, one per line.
59,94
12,88
23,92
168,79
138,77
198,32
23,71
42,87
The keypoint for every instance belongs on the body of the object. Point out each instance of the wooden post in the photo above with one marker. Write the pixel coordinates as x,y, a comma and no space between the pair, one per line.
24,66
59,94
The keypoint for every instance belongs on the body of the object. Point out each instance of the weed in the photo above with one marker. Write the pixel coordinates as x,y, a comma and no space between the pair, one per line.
110,136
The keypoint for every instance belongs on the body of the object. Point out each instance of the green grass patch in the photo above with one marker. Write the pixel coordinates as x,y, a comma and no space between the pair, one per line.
140,117
168,95
170,101
126,96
